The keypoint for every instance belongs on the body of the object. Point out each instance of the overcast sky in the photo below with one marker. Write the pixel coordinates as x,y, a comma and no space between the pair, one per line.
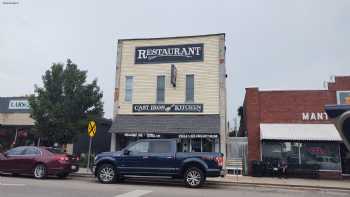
270,44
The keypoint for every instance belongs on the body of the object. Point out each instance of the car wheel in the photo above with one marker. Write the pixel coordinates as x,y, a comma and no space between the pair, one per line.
194,177
40,171
106,174
62,175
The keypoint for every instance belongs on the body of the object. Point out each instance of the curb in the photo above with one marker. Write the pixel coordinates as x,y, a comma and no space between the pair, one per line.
82,175
228,183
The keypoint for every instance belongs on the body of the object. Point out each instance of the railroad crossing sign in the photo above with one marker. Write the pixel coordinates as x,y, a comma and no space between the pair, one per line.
92,129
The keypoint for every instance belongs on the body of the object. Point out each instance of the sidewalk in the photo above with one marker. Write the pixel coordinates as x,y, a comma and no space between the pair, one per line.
265,181
83,172
286,182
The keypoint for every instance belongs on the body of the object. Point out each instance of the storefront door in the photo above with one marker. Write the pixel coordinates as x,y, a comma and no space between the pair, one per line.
345,159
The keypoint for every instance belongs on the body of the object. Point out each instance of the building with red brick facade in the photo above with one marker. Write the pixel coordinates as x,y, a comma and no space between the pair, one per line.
291,125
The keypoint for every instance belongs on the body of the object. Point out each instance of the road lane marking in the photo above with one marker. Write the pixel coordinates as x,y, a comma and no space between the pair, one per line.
12,184
135,193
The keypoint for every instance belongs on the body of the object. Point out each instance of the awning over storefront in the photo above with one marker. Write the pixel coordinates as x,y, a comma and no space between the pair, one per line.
309,132
179,124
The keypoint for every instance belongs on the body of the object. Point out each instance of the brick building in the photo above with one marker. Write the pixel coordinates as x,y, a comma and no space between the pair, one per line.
292,125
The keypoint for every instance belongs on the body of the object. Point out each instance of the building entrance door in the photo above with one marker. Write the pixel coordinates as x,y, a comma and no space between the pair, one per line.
345,159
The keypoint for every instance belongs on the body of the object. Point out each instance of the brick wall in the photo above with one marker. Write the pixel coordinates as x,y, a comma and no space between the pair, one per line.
286,107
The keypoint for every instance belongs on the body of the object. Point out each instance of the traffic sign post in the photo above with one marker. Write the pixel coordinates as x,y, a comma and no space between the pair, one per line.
91,133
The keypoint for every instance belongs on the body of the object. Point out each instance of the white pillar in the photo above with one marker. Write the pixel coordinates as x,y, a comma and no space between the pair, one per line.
113,142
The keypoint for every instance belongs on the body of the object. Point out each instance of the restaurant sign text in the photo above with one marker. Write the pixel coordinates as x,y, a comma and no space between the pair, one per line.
175,108
169,54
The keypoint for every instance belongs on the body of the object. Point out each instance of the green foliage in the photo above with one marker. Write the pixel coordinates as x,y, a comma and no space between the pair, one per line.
62,108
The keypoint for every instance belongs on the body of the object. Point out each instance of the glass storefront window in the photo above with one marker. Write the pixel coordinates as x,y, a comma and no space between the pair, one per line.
8,136
208,145
324,154
196,145
183,144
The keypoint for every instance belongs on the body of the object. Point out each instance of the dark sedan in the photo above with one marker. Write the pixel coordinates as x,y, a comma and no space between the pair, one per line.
38,161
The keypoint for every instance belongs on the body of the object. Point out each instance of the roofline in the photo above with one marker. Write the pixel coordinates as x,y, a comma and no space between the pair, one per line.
172,37
14,97
267,91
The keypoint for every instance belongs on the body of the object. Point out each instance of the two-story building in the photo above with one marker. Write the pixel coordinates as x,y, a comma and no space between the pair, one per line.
172,87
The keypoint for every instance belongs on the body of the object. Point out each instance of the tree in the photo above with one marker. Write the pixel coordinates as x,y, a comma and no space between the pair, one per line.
65,103
242,131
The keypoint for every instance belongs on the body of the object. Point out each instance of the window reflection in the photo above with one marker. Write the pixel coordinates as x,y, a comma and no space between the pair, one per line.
324,154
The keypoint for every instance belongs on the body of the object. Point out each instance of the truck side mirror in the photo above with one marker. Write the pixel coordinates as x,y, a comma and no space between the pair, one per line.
341,119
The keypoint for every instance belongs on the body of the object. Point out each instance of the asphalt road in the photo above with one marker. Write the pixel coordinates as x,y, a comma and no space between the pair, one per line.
89,187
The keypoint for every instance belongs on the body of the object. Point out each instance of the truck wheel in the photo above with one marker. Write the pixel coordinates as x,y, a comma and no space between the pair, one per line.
106,174
194,177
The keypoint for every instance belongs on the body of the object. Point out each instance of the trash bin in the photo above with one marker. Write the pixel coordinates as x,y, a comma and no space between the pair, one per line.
258,168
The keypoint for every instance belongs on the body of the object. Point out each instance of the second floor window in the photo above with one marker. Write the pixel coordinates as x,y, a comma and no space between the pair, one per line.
128,88
190,88
160,89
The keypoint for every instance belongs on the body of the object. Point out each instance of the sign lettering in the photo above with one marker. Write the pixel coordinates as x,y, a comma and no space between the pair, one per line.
314,116
170,53
174,108
19,104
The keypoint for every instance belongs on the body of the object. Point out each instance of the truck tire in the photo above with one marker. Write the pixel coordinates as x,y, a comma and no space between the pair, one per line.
194,177
106,174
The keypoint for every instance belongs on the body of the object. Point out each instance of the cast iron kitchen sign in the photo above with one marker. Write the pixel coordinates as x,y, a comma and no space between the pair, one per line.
169,53
175,108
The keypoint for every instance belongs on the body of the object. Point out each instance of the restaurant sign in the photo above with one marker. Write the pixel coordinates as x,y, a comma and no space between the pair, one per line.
169,53
174,108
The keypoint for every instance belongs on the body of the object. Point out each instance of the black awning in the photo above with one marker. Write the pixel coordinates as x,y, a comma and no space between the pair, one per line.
166,124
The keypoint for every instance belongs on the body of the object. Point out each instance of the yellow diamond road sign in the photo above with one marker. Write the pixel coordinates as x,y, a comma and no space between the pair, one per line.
92,128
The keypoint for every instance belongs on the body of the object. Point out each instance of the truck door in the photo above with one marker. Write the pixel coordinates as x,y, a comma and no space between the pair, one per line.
135,162
162,157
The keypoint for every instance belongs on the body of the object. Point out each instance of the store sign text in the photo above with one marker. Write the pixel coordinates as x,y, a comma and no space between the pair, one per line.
174,108
192,136
19,104
314,116
147,135
170,53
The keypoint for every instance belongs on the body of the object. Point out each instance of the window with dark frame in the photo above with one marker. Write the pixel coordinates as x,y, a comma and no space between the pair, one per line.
190,88
128,88
161,89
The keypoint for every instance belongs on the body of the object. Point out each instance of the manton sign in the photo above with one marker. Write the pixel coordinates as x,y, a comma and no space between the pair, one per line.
169,53
314,116
175,108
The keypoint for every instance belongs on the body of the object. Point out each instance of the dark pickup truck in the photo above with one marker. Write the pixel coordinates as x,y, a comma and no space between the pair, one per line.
158,157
